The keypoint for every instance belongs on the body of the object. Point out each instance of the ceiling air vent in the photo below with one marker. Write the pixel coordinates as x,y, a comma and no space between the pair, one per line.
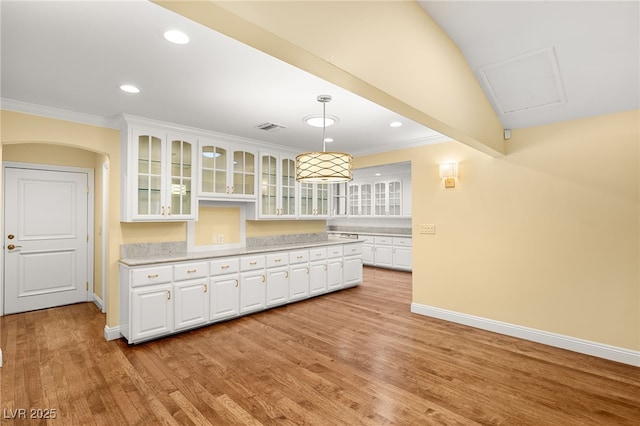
270,127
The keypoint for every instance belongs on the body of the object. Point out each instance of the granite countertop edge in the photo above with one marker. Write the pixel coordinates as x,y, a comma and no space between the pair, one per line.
214,254
384,234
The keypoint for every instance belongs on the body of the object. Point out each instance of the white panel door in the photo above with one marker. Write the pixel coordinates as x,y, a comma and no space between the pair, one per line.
45,241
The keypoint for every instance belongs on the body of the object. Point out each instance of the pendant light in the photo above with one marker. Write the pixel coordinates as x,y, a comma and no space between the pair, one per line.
324,167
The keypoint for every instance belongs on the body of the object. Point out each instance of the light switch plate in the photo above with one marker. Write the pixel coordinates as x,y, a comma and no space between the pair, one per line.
428,228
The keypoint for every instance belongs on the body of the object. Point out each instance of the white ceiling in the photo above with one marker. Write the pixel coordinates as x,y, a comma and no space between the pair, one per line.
73,55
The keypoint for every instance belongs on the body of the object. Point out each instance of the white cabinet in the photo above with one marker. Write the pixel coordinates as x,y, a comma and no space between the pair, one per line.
338,193
224,284
159,175
277,285
278,189
252,284
226,171
388,198
298,275
191,305
360,199
162,299
317,271
387,252
151,312
334,268
402,253
314,200
383,252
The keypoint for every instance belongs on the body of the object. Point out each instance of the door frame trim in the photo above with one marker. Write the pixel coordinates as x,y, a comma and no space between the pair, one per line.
90,217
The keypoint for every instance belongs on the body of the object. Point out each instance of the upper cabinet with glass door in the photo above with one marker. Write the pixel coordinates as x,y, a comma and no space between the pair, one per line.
277,196
159,175
314,200
226,172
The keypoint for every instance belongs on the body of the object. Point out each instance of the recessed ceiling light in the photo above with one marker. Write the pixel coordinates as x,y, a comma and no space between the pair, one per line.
177,37
316,120
377,174
129,88
395,124
328,140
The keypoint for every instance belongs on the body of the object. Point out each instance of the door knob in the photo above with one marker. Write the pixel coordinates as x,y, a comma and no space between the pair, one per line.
11,247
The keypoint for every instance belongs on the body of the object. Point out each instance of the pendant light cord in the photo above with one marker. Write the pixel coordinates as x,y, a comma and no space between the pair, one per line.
324,125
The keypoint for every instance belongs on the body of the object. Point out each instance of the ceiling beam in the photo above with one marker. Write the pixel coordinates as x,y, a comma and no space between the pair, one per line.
391,53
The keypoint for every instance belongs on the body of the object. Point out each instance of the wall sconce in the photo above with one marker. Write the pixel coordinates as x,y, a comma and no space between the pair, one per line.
449,172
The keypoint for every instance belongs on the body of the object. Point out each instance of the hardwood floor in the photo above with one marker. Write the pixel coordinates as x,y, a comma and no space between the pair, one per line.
353,357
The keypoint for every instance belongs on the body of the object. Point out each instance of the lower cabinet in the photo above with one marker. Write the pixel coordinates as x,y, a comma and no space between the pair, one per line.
161,299
225,297
387,252
253,294
298,275
191,305
317,271
151,312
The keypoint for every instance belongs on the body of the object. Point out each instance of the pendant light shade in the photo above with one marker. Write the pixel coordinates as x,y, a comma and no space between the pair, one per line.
324,166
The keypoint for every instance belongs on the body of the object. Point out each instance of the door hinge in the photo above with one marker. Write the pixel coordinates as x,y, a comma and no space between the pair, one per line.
88,189
87,237
87,285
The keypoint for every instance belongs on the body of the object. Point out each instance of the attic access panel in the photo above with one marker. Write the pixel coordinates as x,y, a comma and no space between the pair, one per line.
524,82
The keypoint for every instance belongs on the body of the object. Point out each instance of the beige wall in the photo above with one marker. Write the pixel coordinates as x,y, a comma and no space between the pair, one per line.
78,145
546,237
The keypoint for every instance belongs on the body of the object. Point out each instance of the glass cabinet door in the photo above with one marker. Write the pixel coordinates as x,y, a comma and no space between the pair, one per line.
306,199
365,199
181,178
380,198
149,175
395,197
288,187
354,200
213,170
269,185
244,173
322,199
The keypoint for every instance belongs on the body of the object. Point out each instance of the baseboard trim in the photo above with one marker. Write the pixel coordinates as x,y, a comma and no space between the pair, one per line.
98,302
613,353
112,333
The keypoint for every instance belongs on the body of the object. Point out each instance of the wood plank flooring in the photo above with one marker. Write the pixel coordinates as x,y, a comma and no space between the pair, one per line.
355,357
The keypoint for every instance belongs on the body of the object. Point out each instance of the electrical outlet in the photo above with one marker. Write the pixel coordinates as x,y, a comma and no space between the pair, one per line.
221,239
428,228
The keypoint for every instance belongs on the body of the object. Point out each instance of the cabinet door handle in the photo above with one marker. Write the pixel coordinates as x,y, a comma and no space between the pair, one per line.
168,294
299,257
318,254
236,282
168,210
277,260
286,274
162,210
307,271
205,288
264,278
191,271
325,267
253,263
224,267
152,276
231,190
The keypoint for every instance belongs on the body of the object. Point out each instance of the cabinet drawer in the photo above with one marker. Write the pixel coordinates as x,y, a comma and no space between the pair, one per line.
224,266
300,256
317,254
402,242
249,263
383,240
153,275
353,249
277,259
189,271
334,251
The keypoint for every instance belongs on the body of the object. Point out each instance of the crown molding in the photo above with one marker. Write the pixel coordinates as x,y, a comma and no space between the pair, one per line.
58,113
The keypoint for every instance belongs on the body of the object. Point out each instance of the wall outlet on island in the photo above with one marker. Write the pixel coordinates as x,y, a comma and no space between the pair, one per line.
221,239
